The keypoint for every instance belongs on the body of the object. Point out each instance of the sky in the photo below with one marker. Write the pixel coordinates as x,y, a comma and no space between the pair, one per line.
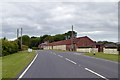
97,20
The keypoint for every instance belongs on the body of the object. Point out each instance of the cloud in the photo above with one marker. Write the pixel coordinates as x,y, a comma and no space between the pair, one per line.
92,32
59,0
96,20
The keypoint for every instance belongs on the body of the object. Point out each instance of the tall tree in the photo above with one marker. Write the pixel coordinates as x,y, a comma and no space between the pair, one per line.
34,42
59,37
25,40
43,37
68,35
49,38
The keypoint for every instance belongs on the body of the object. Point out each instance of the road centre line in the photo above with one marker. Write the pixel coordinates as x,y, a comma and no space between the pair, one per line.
60,56
79,65
85,68
96,74
70,61
54,53
77,53
27,68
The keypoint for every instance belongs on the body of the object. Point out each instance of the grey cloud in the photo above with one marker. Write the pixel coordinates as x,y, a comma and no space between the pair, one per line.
53,18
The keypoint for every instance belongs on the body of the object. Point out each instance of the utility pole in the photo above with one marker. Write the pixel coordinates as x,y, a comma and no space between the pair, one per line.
21,38
18,36
72,39
17,33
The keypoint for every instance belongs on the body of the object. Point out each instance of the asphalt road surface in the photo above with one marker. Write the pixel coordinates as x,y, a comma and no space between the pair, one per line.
52,64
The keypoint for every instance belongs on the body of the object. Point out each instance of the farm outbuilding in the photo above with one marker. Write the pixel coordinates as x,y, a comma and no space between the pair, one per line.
80,42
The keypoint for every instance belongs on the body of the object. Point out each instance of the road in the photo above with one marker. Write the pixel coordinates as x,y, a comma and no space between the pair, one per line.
52,64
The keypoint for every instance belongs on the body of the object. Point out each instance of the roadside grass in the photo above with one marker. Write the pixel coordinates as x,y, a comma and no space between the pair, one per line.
13,64
0,68
112,57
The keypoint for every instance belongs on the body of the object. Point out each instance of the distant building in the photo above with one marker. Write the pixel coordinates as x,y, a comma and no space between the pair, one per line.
80,42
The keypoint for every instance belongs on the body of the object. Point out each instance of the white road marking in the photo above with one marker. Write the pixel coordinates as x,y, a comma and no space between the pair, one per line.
70,61
96,74
77,53
27,68
79,65
60,56
54,53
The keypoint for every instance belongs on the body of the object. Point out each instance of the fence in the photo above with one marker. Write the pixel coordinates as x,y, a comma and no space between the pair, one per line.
110,51
105,50
58,47
87,50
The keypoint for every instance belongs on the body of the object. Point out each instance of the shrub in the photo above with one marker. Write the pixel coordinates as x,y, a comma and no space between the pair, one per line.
9,47
24,47
34,48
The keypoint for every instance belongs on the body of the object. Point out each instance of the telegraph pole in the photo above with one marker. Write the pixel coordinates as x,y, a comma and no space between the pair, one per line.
17,33
72,39
21,38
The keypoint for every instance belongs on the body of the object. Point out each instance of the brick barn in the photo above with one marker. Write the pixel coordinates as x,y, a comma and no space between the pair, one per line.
80,42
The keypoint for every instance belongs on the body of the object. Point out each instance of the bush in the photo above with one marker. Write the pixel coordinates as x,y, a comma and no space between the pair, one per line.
9,47
24,47
34,48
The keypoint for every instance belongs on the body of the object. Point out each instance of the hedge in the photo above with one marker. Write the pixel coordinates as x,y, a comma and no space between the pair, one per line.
9,47
35,48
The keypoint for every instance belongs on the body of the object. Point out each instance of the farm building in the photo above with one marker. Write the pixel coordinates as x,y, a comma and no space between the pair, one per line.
80,42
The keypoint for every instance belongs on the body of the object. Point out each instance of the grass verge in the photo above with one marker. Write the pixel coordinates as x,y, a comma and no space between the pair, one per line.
13,64
112,57
0,68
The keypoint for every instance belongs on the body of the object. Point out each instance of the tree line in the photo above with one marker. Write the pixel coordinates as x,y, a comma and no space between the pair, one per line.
10,47
33,42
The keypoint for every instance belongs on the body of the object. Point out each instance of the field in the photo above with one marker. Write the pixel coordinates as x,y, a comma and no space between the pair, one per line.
112,57
13,64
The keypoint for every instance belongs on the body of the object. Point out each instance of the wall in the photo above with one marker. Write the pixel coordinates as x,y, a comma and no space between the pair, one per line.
47,47
60,47
110,51
87,49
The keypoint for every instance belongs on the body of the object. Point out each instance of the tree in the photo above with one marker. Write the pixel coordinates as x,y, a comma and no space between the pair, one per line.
34,42
25,40
59,37
49,38
43,37
118,48
106,42
4,38
68,35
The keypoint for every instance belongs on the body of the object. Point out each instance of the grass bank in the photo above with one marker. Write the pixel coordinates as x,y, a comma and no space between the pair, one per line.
112,57
13,64
0,68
